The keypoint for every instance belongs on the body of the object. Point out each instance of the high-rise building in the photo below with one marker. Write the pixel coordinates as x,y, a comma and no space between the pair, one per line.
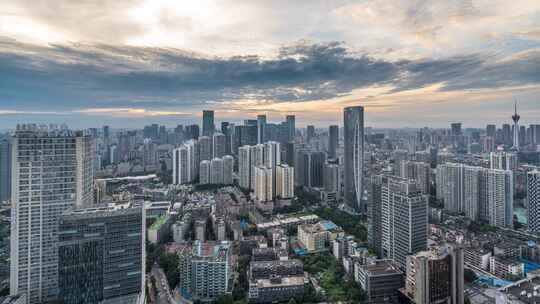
263,184
228,167
204,172
310,133
291,127
333,141
331,177
533,200
205,271
491,131
208,127
185,163
219,144
216,171
500,197
191,132
515,119
316,171
244,167
503,160
401,212
463,189
435,276
506,134
284,181
5,170
101,255
420,172
228,130
206,148
58,161
261,129
256,158
456,129
353,122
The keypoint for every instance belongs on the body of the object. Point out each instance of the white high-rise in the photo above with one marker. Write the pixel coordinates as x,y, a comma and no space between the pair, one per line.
263,184
52,171
219,141
216,171
284,181
403,217
533,200
256,158
244,167
185,169
500,197
503,160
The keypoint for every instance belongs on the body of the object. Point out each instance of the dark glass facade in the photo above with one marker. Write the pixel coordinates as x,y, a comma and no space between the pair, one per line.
101,254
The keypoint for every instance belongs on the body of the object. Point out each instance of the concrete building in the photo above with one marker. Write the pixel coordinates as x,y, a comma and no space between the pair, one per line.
204,172
353,136
500,196
263,184
216,171
185,163
206,148
381,281
61,162
205,271
244,167
435,276
399,219
503,160
317,237
284,181
228,168
533,200
219,144
101,255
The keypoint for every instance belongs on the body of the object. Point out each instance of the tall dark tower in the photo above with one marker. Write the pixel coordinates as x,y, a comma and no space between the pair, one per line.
515,118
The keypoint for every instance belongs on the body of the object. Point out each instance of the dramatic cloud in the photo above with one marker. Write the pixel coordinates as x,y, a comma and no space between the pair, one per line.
164,58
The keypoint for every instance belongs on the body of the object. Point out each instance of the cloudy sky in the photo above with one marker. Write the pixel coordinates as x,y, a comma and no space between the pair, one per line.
128,62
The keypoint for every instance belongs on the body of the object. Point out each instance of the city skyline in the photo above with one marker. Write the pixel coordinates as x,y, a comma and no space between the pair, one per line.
136,62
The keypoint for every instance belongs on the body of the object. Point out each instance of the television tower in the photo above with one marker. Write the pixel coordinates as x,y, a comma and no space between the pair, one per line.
515,118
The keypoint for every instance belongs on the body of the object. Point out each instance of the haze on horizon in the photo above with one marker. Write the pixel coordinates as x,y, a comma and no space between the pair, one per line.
128,62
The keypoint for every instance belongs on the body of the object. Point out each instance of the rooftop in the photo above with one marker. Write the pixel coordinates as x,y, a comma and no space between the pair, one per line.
523,291
381,267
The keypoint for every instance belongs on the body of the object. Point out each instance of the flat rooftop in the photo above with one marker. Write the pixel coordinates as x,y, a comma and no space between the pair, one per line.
526,291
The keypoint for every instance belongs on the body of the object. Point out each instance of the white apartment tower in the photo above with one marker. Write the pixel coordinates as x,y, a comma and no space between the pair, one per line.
204,172
52,171
185,161
263,184
284,181
500,197
244,167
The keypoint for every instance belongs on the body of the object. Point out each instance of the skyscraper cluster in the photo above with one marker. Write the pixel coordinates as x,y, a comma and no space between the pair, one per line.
260,169
480,193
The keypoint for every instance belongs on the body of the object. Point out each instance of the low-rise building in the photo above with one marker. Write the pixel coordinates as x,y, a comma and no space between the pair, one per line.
381,280
275,289
501,267
159,230
316,237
